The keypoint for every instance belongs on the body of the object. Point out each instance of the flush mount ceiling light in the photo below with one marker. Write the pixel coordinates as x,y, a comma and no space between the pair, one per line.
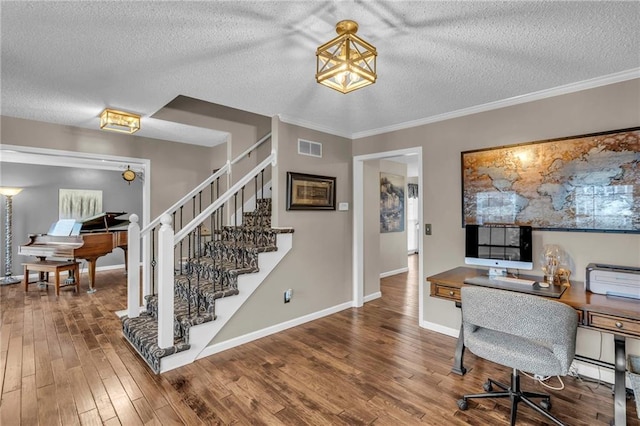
119,121
347,62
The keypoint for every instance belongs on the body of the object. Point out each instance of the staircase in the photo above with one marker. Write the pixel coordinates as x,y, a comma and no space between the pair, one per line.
206,279
206,270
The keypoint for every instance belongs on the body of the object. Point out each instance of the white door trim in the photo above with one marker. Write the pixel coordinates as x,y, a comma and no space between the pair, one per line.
358,223
55,157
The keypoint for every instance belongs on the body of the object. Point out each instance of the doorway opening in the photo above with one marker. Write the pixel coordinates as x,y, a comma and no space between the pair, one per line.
359,222
83,160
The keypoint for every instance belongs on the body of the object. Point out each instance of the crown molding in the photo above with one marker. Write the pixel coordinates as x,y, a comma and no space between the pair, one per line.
516,100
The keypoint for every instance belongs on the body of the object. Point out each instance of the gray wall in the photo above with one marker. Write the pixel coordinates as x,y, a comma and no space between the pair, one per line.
36,207
176,168
318,268
605,108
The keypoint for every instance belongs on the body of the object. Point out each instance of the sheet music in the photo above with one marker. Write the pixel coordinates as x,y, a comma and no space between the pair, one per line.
62,228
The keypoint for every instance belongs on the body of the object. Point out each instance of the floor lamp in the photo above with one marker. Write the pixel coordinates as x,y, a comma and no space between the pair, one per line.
8,194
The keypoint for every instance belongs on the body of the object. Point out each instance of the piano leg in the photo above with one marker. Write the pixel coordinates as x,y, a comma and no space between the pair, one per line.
92,274
126,260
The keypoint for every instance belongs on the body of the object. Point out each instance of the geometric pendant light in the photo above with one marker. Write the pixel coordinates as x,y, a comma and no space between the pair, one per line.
347,62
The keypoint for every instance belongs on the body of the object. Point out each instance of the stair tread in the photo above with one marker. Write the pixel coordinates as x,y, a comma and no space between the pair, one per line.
205,287
223,265
142,334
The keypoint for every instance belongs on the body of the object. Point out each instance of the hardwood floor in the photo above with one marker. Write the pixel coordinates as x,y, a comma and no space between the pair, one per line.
64,361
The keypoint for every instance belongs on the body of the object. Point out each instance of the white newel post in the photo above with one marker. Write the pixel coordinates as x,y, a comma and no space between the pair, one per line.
165,280
133,262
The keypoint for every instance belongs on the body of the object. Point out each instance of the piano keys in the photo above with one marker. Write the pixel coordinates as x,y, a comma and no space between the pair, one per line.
95,240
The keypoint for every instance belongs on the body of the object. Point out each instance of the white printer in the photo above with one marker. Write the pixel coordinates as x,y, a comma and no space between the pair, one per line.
613,280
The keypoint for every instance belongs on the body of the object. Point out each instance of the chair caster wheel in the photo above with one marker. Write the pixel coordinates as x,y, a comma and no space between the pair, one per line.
488,387
462,404
546,404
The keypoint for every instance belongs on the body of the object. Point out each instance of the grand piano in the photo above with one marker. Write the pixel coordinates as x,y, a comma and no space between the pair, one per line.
88,239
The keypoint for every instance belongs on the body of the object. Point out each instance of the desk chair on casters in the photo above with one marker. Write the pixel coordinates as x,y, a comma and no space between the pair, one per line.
521,331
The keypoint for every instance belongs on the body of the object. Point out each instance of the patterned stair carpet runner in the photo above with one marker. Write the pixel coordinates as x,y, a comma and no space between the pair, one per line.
205,279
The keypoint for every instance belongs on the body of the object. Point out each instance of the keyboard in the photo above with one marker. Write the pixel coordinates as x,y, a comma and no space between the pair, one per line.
514,280
517,284
497,281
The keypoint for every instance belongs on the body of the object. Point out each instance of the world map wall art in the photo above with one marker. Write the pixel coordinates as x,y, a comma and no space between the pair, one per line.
578,183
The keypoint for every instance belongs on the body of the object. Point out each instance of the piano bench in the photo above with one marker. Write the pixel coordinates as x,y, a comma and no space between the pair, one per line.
56,267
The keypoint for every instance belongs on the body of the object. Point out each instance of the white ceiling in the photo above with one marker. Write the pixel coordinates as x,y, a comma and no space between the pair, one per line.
64,62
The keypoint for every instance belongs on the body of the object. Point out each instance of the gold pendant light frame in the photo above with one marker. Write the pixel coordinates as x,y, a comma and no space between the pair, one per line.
347,62
119,121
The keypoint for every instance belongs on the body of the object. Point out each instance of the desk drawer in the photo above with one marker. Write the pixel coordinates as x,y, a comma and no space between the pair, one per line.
615,324
446,292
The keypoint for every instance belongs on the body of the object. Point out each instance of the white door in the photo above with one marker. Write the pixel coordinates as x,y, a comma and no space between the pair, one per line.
412,225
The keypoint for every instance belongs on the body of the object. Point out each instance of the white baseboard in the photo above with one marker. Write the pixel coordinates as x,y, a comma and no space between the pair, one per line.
124,312
595,372
602,374
453,332
103,268
82,271
241,340
372,296
396,272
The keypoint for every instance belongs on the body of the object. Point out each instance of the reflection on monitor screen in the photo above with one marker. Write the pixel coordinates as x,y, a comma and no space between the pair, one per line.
499,247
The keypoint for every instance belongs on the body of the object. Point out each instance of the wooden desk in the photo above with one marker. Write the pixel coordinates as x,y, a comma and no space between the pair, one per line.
617,315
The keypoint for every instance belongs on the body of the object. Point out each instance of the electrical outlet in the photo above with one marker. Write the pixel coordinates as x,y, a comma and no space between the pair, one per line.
287,295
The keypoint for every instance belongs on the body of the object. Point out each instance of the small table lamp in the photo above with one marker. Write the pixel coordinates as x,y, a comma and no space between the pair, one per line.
8,194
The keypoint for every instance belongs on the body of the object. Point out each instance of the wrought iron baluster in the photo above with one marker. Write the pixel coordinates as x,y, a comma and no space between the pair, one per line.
193,269
235,227
153,261
241,230
178,223
242,207
221,219
212,216
199,238
262,224
255,211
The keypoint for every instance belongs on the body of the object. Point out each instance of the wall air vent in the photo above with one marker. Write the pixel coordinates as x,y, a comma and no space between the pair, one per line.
313,149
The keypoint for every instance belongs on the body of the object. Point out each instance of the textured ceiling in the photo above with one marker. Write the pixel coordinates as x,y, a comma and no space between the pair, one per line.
64,62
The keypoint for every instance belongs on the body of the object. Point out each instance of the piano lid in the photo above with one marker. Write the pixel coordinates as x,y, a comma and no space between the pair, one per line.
103,221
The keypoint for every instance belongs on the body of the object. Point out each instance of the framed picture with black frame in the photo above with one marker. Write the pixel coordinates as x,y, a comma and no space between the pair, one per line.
310,192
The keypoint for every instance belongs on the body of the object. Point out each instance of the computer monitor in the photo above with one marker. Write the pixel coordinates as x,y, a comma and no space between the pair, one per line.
498,247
